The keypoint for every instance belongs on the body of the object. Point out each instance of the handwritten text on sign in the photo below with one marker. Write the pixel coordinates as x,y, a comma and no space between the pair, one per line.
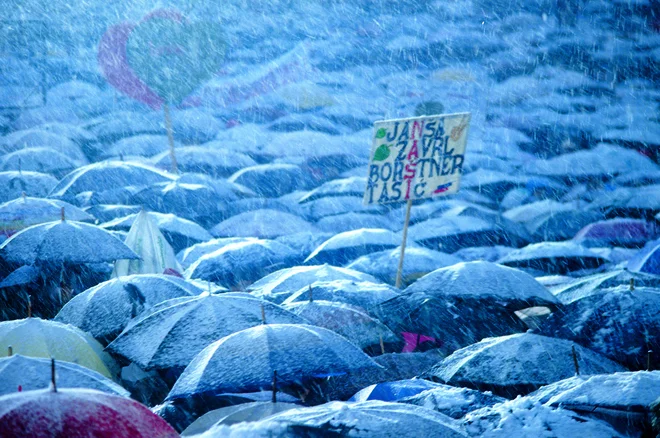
416,158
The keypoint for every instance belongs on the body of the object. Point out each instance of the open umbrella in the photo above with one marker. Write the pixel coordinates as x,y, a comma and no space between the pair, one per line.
350,322
238,264
623,399
64,242
354,186
553,257
630,233
35,138
598,283
281,284
347,246
22,373
245,412
78,413
247,360
205,159
370,418
263,223
13,184
36,337
174,335
339,223
452,401
145,145
272,180
647,260
418,262
105,310
360,294
518,364
394,391
485,281
335,205
42,159
619,323
640,202
193,253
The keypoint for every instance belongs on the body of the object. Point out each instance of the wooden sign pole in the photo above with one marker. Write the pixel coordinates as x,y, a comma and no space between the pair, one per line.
399,271
170,137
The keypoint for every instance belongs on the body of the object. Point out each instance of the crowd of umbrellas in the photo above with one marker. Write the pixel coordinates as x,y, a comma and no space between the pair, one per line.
245,290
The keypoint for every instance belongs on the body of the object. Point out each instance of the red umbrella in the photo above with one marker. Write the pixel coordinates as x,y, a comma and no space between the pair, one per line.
78,413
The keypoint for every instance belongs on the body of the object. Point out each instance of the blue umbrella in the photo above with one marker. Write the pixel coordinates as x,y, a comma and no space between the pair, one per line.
265,224
13,184
452,401
353,186
582,287
394,391
339,223
349,245
334,205
193,253
554,258
272,180
145,145
647,260
246,360
35,138
207,160
38,159
361,294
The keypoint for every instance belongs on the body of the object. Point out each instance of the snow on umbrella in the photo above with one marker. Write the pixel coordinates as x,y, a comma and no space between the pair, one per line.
334,205
350,322
347,246
144,145
553,257
104,310
272,180
264,224
43,159
247,360
73,132
361,294
207,160
13,184
78,413
107,212
370,418
647,260
602,161
193,253
34,138
116,125
485,281
22,373
281,284
106,175
518,364
418,262
492,183
619,323
305,242
639,202
597,283
195,202
452,401
449,323
25,211
173,336
638,178
339,223
36,337
244,412
239,263
354,186
624,399
394,391
512,417
64,242
180,233
625,232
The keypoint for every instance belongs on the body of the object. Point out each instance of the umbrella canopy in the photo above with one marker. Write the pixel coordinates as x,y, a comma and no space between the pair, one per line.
180,233
78,413
394,391
518,364
350,322
452,401
263,223
281,284
36,337
272,180
639,202
353,186
25,211
245,412
100,177
492,183
211,161
334,205
485,281
43,159
522,414
242,263
597,283
105,310
174,335
190,255
448,323
246,360
22,373
619,323
144,145
417,263
64,242
647,260
361,294
370,418
32,138
630,233
304,243
13,184
339,223
345,247
553,257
